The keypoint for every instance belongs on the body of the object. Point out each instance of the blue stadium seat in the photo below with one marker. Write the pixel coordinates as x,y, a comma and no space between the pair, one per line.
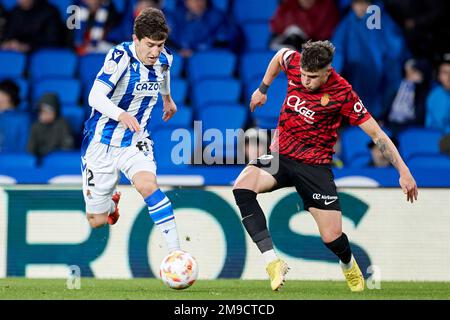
163,147
62,160
14,131
437,161
53,63
211,64
418,141
17,161
12,64
178,90
355,150
254,65
223,117
90,65
251,10
181,119
177,65
216,91
74,116
266,117
62,6
257,35
68,90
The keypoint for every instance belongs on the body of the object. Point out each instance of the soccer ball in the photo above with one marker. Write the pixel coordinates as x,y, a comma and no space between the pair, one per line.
178,270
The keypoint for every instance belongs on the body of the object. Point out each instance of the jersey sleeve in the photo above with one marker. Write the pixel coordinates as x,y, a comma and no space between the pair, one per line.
116,63
290,60
354,109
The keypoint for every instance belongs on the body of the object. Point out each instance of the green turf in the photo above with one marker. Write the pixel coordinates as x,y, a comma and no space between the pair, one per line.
20,288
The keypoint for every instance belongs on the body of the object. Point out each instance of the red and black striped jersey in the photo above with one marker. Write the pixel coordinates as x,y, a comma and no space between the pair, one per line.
308,122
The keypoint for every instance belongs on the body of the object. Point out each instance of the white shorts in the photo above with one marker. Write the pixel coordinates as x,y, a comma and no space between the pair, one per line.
101,166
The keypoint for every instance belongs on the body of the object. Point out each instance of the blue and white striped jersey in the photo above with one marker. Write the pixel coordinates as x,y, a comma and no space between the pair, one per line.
135,89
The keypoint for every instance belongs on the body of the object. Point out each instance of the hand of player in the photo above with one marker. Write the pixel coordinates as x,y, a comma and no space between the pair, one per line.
409,186
169,109
257,100
129,122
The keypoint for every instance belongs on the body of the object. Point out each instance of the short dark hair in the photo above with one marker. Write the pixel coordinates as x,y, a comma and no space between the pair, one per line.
152,24
317,55
12,90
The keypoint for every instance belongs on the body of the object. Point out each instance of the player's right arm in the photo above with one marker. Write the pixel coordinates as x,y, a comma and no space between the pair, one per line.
116,63
259,96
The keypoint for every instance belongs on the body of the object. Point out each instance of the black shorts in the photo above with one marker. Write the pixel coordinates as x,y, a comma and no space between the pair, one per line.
314,183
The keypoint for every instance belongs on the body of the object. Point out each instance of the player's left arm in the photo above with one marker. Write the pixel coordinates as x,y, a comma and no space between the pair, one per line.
169,106
390,152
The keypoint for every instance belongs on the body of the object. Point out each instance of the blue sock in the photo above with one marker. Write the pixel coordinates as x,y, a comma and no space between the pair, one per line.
161,212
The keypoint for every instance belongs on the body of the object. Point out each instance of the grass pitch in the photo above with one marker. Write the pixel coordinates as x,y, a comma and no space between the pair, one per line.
153,289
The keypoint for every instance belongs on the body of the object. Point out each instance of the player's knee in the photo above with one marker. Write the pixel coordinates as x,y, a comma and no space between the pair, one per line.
97,220
331,235
146,189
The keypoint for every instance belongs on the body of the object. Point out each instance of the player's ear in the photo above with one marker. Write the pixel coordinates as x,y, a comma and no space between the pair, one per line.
135,39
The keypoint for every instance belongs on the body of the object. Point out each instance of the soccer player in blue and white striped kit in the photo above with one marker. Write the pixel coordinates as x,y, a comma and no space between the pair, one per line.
115,136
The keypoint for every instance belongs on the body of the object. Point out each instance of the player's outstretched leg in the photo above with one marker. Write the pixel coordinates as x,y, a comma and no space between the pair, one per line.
341,247
114,215
161,212
255,223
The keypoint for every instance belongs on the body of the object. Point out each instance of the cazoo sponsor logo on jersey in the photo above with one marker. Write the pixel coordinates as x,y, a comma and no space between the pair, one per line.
299,106
147,88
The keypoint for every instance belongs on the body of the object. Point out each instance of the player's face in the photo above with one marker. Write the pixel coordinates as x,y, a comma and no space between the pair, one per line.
313,80
148,50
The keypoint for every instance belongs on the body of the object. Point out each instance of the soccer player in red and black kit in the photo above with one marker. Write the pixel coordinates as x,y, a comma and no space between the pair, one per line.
301,153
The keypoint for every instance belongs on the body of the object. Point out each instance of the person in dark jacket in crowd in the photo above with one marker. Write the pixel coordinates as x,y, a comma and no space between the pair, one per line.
31,25
198,25
50,132
296,21
14,125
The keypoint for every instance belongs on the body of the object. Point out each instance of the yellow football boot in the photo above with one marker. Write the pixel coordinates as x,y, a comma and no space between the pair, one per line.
277,270
354,277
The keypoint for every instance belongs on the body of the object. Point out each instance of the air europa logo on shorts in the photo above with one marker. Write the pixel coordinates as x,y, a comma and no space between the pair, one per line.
298,105
148,88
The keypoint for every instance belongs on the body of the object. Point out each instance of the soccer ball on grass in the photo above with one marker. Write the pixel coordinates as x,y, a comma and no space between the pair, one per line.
178,270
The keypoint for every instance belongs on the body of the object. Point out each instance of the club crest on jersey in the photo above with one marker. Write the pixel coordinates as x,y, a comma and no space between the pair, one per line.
110,67
325,99
147,88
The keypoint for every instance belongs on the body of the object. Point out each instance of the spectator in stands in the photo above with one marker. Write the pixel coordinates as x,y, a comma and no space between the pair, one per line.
297,21
98,20
33,24
444,144
370,59
424,24
123,31
13,124
438,101
3,18
408,106
50,132
198,25
377,158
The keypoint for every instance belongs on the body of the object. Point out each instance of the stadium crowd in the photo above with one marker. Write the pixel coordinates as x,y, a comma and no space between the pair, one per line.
50,55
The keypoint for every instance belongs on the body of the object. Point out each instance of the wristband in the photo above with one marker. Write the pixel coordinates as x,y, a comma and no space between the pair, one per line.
263,88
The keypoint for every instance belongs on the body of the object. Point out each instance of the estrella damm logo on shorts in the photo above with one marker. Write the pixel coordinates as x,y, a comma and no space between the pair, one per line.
147,88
